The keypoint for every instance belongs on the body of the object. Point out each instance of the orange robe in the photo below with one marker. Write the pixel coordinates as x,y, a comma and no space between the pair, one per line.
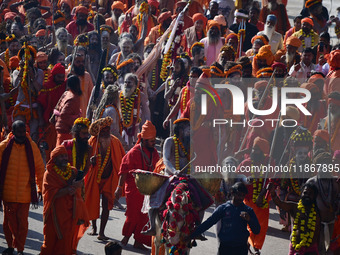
332,82
108,186
61,214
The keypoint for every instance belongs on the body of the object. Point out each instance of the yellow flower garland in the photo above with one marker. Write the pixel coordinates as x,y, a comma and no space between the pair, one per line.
102,166
178,143
184,102
127,107
307,229
257,187
294,182
65,175
74,157
311,34
7,58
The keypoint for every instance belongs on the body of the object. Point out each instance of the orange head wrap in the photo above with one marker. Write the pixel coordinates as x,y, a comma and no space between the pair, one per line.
59,150
293,41
260,37
148,131
14,62
212,23
181,120
234,69
40,33
164,16
323,134
260,84
264,72
118,5
266,53
200,16
308,20
41,56
231,35
220,20
333,59
315,77
82,9
262,144
310,3
154,3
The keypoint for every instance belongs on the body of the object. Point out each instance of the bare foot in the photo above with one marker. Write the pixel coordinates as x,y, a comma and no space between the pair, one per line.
93,232
125,240
102,238
140,246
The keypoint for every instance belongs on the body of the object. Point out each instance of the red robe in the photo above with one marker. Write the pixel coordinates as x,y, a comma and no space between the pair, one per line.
135,219
61,214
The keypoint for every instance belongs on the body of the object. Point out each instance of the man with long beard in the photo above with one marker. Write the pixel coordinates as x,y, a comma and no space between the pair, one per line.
94,53
125,45
142,156
102,178
334,104
307,35
256,190
80,25
290,56
275,38
279,10
62,41
105,33
48,98
86,83
117,8
134,107
303,210
13,47
213,42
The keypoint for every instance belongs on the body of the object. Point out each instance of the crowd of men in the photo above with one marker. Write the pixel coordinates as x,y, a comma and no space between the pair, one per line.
87,86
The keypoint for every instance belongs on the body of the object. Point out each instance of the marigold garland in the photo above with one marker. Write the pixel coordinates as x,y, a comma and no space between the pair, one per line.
257,186
81,40
128,106
84,121
118,58
165,63
306,228
178,144
46,75
7,58
143,10
125,63
102,166
66,175
311,34
294,182
74,157
185,98
153,79
50,89
114,72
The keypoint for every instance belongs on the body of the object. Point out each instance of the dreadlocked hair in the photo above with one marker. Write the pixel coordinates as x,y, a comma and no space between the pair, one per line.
110,97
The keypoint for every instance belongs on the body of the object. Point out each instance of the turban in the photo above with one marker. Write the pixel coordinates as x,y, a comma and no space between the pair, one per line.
200,16
264,72
310,3
259,37
234,69
271,17
164,16
333,59
181,120
323,134
58,69
293,41
220,20
260,84
262,144
68,2
212,23
266,53
153,3
118,5
309,86
98,125
316,76
231,36
14,62
292,113
148,131
308,20
82,121
59,150
10,15
279,65
40,33
82,9
41,56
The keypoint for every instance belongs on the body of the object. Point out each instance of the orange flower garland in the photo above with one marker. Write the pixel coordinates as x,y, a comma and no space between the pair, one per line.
178,143
128,107
7,58
66,175
102,166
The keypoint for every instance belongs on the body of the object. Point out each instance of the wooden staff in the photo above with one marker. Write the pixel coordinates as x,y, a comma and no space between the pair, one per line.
329,127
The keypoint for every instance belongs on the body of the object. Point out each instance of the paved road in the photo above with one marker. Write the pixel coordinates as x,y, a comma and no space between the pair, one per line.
276,241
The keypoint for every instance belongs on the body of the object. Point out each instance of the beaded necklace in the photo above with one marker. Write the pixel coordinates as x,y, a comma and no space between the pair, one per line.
128,106
306,227
50,89
66,175
178,144
153,79
160,31
7,58
102,166
294,182
74,157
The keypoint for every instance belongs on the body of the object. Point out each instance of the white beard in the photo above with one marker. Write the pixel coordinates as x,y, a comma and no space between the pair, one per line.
290,58
268,31
62,45
127,92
